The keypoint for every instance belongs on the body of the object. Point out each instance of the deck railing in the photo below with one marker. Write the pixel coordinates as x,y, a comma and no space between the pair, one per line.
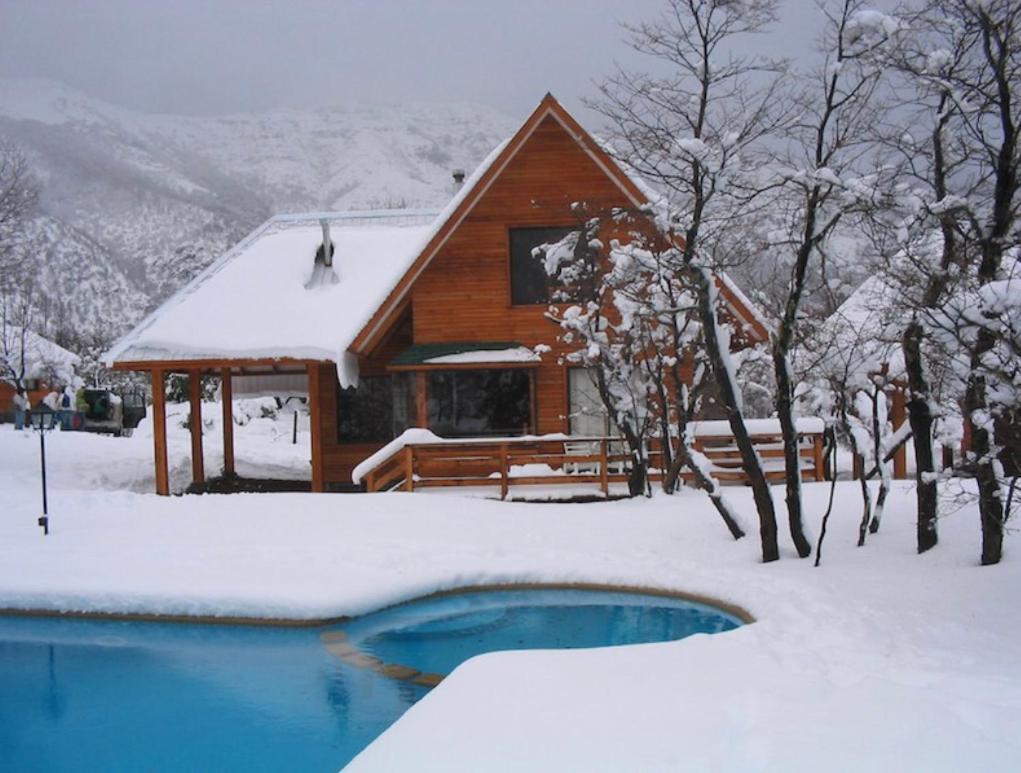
562,460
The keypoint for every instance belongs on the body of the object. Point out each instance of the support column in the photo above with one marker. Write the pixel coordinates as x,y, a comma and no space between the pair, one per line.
227,396
198,467
315,430
898,415
159,432
421,400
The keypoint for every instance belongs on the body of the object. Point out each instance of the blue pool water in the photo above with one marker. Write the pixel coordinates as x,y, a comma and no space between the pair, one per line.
112,695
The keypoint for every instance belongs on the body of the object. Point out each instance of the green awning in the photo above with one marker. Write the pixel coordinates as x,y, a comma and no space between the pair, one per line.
420,354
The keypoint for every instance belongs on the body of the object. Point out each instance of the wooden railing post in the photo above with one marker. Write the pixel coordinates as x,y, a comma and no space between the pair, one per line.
604,470
227,400
159,432
409,468
818,456
198,468
504,472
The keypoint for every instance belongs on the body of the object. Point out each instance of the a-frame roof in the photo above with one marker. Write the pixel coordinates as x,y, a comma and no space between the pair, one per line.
476,188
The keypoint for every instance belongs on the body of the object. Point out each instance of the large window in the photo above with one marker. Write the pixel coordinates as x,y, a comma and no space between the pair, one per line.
374,412
588,416
472,403
529,281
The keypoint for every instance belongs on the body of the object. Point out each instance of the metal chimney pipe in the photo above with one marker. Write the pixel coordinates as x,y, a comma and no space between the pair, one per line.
458,175
327,244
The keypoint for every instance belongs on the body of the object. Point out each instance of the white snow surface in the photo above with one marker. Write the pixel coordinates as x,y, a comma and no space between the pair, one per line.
719,427
879,660
515,354
253,303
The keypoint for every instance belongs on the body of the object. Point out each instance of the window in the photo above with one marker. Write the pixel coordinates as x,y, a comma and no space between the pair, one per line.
471,403
374,412
588,416
530,283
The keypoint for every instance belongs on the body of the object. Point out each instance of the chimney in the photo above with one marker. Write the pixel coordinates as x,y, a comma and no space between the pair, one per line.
327,244
458,175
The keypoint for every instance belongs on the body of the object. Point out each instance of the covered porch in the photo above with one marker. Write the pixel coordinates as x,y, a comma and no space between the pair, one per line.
227,371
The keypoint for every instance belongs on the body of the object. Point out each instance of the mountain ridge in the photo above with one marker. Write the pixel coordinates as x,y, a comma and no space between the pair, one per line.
135,204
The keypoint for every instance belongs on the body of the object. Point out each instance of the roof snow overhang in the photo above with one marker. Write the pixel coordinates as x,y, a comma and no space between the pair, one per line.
753,322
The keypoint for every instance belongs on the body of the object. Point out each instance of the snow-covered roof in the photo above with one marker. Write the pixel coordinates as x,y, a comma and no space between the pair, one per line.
861,336
253,303
43,359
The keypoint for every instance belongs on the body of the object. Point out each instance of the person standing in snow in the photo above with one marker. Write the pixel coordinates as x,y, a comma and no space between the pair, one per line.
66,408
21,406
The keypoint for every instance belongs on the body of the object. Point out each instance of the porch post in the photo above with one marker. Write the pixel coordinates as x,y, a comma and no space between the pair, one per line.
421,399
898,416
227,396
314,418
159,431
198,467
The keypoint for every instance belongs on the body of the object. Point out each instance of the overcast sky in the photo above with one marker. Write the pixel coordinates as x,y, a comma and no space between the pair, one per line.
215,56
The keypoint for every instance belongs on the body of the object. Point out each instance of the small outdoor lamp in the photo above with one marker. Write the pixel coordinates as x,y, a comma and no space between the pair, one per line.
43,419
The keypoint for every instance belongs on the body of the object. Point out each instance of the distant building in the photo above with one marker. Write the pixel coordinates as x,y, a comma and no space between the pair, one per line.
41,364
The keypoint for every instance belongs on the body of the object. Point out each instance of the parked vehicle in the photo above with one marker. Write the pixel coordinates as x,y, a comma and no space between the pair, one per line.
106,411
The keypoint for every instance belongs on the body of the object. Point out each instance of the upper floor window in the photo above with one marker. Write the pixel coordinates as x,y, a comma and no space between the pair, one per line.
530,283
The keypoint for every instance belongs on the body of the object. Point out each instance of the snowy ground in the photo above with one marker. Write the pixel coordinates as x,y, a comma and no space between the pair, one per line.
878,660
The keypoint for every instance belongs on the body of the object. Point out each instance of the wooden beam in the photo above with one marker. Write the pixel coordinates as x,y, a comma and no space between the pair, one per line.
315,430
185,366
198,467
159,432
227,396
421,400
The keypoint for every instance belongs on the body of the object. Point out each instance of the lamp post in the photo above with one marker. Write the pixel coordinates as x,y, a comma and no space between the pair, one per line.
43,419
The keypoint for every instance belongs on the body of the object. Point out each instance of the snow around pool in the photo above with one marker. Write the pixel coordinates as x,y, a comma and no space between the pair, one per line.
878,660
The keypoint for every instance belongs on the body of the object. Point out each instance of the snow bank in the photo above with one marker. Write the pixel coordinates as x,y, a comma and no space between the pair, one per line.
857,665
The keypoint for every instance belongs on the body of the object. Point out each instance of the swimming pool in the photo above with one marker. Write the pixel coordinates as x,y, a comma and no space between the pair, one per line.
81,694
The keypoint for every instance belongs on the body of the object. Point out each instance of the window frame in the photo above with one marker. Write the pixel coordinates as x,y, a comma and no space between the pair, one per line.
551,285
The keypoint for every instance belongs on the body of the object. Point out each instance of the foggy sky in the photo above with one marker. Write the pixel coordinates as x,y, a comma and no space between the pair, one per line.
190,56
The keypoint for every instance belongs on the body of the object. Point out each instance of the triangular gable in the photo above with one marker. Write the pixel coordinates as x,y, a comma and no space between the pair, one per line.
396,301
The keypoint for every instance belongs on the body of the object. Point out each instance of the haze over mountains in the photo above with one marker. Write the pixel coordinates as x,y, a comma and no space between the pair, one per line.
132,205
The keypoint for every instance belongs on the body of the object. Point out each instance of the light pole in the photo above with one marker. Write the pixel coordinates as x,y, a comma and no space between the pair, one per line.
43,419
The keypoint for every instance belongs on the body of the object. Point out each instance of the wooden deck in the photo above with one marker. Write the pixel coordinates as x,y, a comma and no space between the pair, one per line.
511,462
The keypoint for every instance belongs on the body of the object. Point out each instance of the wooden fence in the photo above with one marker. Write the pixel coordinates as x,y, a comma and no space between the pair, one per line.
511,462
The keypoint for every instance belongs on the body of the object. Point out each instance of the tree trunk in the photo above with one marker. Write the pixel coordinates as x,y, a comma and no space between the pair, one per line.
990,505
833,488
920,418
732,401
709,485
792,460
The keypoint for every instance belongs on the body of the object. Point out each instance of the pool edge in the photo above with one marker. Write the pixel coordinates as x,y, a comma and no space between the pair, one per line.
736,610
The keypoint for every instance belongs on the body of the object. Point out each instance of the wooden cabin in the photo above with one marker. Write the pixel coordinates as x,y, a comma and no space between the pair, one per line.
409,318
46,367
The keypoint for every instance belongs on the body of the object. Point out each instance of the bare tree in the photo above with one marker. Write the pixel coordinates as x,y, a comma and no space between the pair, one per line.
825,163
696,133
963,68
18,194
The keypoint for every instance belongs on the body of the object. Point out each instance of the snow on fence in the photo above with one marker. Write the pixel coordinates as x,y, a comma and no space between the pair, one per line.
421,459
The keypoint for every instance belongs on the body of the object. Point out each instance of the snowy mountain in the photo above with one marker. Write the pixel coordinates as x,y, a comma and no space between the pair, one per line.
134,204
